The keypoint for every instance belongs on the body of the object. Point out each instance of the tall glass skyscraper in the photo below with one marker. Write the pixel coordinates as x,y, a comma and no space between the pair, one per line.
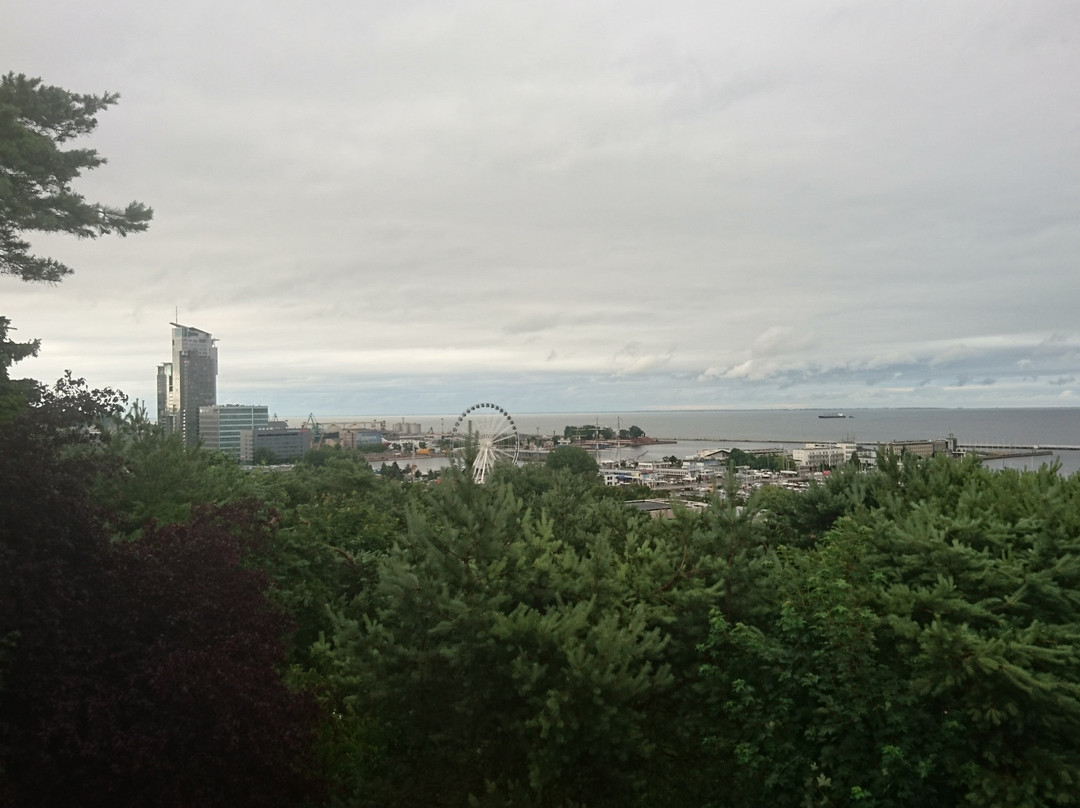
188,382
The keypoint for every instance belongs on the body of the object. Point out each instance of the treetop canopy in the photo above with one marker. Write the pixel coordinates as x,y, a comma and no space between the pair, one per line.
36,174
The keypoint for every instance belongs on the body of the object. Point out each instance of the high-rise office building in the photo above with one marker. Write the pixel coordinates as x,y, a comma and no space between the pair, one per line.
221,426
188,382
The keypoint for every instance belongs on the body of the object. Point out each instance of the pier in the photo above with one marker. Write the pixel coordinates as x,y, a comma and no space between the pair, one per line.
1003,451
1003,454
1018,448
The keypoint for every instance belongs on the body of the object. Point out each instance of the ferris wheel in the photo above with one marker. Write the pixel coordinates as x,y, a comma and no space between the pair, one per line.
485,433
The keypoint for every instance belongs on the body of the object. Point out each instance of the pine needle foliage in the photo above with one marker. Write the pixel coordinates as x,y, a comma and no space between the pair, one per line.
508,655
36,174
923,652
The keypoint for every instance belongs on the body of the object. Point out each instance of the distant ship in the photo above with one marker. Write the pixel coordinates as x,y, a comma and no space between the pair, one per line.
835,415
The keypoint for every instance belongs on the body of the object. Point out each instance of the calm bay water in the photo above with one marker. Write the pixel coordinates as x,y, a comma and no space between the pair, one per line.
747,428
1012,426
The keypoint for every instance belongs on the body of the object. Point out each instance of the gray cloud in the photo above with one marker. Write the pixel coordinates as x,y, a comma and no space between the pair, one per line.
579,205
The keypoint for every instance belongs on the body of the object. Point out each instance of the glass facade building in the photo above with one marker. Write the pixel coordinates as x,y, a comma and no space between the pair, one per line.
188,382
221,425
284,443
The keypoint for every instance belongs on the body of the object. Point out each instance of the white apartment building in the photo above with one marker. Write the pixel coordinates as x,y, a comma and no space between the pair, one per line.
820,455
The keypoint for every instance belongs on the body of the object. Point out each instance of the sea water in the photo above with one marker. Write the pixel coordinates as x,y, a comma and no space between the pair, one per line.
750,429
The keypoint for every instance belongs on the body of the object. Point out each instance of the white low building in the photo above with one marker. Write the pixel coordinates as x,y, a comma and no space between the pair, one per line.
820,455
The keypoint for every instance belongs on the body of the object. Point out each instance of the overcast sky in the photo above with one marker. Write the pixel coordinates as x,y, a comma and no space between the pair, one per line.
411,207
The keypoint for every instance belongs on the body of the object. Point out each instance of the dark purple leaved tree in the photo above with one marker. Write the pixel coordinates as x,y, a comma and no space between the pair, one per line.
144,673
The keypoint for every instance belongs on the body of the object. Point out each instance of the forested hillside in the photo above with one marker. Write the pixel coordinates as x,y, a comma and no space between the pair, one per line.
175,631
